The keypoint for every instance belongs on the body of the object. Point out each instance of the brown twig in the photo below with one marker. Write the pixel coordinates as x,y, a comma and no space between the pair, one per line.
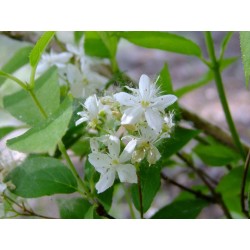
210,129
243,187
198,194
26,212
217,196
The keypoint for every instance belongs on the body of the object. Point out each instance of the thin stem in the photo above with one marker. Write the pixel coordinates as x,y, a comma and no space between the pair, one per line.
210,129
128,199
26,211
217,196
13,78
36,101
72,168
219,84
198,194
140,194
32,77
243,187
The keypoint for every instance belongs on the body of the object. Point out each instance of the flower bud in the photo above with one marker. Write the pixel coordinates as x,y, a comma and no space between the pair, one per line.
153,155
138,155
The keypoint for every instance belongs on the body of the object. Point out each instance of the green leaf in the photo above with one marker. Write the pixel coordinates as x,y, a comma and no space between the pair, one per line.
19,59
111,42
94,46
40,176
81,148
78,35
181,209
74,208
205,79
225,42
216,155
22,106
92,214
44,137
106,198
39,48
165,83
178,140
163,41
230,188
245,53
150,184
6,130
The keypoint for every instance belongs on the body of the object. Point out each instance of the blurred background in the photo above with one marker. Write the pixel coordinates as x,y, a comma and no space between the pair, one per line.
184,70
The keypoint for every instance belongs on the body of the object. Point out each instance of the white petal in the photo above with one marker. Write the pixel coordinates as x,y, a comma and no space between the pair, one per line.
61,58
81,120
100,161
154,119
91,105
114,146
77,89
127,138
164,101
125,99
42,67
132,115
127,152
94,145
2,187
106,180
127,173
144,86
65,36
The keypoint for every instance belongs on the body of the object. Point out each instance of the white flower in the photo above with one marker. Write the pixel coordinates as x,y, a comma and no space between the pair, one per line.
53,59
145,103
114,162
77,49
145,145
168,124
94,110
83,84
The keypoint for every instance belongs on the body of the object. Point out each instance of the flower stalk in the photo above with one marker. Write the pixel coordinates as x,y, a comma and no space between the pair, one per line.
215,67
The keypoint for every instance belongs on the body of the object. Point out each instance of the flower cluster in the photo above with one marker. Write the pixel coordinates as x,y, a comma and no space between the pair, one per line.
76,69
129,128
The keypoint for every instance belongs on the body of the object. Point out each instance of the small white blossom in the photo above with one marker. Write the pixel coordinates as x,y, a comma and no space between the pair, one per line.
53,59
114,162
145,103
94,110
83,84
145,145
168,124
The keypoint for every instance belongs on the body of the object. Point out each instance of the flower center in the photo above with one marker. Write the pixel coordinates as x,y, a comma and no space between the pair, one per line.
115,162
93,123
145,104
